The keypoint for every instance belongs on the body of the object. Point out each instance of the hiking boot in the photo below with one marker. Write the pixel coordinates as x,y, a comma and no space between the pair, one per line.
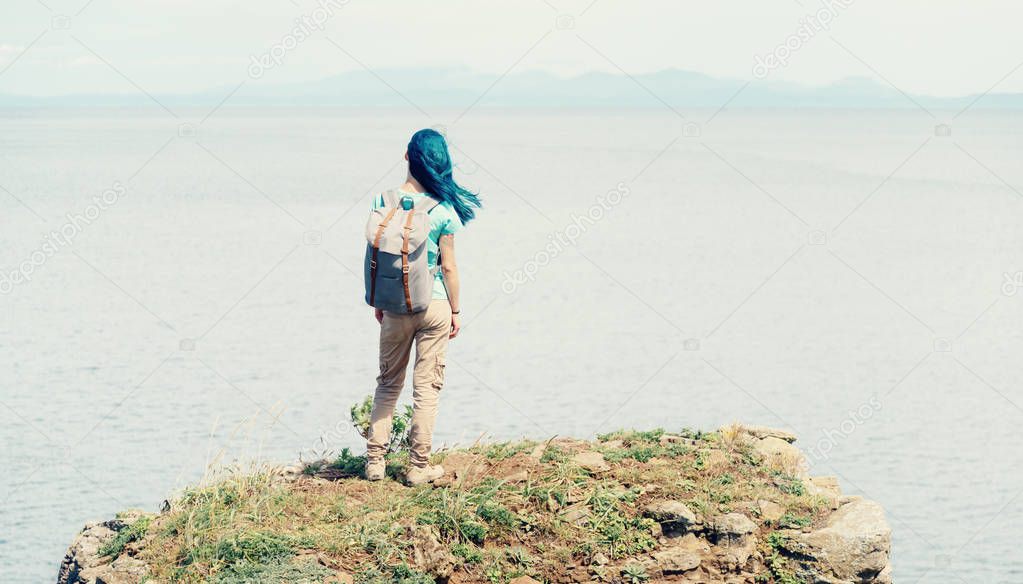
419,475
374,470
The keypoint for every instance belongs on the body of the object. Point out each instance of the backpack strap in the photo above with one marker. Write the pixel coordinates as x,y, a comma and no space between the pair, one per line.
376,252
406,232
390,198
429,205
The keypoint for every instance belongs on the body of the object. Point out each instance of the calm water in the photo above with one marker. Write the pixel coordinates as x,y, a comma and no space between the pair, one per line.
211,312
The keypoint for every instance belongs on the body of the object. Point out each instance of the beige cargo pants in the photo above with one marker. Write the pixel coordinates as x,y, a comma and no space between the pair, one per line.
429,329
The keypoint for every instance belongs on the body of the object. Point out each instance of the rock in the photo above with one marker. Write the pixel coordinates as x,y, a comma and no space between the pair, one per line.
668,511
123,570
592,461
761,432
83,554
83,563
733,534
341,577
667,439
677,560
576,515
732,525
826,487
429,554
771,447
684,554
600,559
783,455
523,580
827,484
853,546
733,556
289,472
769,510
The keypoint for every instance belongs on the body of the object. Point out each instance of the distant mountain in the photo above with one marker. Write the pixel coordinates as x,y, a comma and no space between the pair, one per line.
455,88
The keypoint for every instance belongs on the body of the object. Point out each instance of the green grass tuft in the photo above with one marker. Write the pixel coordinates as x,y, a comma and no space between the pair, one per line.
259,547
257,573
133,532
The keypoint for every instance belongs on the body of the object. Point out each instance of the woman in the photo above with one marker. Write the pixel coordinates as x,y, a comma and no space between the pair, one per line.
429,175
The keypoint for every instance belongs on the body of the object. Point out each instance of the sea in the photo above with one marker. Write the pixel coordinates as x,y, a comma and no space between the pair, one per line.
181,291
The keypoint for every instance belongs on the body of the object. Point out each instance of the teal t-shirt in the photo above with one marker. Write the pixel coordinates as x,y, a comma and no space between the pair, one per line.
443,221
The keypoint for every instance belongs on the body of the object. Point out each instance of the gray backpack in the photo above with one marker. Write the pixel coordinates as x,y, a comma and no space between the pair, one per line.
398,278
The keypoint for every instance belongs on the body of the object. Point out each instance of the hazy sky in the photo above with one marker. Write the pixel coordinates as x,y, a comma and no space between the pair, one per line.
938,47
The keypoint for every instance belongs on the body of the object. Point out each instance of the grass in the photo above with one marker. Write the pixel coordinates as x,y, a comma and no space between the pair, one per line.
134,532
634,574
777,564
257,528
503,450
346,463
274,573
793,521
400,574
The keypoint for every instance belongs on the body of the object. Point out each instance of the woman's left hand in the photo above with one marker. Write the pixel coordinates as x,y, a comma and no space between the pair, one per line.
456,325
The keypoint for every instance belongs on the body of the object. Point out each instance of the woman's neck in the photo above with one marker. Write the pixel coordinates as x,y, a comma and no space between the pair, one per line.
412,186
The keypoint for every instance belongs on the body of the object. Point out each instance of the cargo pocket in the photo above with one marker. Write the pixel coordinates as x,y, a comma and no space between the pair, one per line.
438,372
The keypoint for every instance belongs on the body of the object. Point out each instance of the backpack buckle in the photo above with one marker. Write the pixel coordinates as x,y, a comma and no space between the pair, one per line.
372,264
404,269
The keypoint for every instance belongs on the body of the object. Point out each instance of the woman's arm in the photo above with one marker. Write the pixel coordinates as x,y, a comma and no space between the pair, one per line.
450,270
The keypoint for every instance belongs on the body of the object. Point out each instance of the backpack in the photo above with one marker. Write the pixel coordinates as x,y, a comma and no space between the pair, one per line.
398,278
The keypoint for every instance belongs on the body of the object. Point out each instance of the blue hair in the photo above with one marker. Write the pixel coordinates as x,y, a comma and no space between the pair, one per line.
430,163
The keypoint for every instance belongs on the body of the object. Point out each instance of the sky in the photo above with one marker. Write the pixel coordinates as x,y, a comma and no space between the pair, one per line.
935,47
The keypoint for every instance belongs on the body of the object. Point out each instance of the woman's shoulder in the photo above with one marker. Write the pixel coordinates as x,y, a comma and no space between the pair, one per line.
444,215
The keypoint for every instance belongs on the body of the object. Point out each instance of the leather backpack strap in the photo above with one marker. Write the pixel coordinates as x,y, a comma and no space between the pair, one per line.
406,233
382,226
